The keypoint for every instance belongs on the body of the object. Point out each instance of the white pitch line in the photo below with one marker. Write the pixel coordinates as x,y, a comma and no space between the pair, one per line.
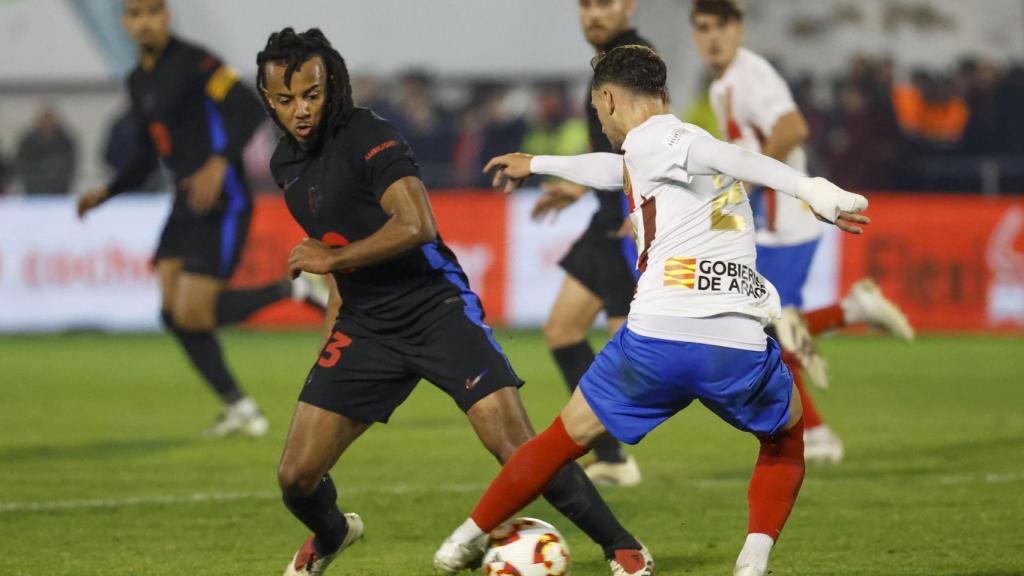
203,497
983,478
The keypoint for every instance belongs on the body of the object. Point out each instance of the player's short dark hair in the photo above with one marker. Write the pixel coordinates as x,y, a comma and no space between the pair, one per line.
634,66
725,9
124,4
296,48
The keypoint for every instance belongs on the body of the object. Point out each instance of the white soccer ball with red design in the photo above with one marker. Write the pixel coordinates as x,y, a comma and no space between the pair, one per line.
527,547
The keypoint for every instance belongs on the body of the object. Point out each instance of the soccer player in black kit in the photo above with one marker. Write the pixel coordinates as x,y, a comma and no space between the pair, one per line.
600,267
194,115
401,306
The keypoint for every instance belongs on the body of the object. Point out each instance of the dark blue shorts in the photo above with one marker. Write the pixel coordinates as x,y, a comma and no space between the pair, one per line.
636,383
787,267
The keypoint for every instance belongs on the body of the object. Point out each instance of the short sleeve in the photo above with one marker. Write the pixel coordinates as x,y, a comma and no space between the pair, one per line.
216,77
770,98
385,155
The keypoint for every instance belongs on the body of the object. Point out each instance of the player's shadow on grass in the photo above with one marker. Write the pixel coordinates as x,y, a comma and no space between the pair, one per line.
96,450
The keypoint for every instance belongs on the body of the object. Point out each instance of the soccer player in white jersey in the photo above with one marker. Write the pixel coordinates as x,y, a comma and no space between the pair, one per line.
695,329
755,110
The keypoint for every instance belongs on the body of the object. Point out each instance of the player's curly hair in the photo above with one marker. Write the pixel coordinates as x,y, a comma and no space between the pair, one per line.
634,66
294,49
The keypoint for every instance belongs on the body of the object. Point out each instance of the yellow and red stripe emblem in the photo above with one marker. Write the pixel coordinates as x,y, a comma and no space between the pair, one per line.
680,271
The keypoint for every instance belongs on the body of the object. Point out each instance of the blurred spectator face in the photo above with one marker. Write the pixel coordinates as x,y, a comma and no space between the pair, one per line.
299,106
47,123
552,105
365,88
603,20
147,22
717,38
416,88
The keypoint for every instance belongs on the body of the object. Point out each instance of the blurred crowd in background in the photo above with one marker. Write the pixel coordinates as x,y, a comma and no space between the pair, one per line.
873,127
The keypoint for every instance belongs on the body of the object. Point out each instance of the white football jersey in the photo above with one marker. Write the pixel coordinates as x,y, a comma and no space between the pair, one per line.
695,236
748,100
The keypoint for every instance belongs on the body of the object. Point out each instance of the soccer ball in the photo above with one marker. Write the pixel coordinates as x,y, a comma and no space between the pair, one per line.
527,547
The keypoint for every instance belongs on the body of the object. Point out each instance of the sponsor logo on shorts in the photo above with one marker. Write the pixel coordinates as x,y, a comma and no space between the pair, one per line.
714,276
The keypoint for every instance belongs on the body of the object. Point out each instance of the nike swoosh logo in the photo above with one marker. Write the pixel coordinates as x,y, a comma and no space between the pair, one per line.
470,384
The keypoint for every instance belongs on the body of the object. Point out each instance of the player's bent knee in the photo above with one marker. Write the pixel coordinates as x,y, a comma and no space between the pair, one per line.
297,481
192,319
505,447
559,334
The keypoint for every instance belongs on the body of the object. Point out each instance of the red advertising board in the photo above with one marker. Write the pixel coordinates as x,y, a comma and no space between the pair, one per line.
953,263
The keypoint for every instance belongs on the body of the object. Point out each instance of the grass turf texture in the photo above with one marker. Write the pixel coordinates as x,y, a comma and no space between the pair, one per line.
102,469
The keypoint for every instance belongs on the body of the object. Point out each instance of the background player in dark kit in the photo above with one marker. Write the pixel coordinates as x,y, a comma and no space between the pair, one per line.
601,266
194,115
404,308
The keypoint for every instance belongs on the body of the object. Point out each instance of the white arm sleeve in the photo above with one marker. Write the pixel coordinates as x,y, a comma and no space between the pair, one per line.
599,170
708,156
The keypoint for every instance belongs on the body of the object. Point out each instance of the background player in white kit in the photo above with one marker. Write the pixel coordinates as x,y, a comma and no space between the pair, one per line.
756,111
695,328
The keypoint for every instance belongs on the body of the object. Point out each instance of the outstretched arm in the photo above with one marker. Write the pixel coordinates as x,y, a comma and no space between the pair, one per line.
829,202
598,170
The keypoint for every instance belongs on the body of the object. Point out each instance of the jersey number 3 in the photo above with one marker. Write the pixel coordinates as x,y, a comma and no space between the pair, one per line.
732,196
332,351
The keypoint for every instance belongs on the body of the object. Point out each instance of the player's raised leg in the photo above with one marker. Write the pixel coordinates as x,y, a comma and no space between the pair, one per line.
539,464
501,422
863,304
316,439
773,490
565,331
238,305
192,320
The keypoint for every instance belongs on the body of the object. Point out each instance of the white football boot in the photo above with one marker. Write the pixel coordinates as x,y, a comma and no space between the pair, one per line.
453,557
747,570
822,445
242,417
866,303
307,562
791,330
614,473
311,289
632,562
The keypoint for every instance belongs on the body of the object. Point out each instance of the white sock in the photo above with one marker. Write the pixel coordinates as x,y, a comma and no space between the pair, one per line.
852,311
755,551
245,406
468,532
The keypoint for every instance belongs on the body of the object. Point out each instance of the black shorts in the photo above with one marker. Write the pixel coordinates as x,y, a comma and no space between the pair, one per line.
209,244
606,266
366,376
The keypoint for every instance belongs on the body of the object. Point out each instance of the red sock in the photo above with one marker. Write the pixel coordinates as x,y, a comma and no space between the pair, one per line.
776,481
825,319
811,416
525,475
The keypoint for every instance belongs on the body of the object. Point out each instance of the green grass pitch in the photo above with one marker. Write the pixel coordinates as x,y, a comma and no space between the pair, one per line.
102,470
